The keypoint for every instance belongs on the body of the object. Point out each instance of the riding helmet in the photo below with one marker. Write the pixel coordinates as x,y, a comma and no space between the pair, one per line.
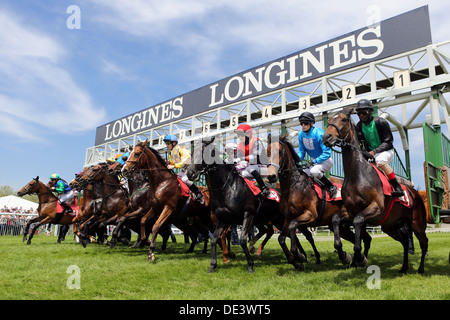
306,117
244,128
364,104
170,138
54,176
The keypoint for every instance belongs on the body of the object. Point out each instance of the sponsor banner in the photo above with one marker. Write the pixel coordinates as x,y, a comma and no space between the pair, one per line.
402,33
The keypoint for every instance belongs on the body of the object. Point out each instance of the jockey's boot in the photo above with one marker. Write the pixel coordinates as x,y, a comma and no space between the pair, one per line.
67,208
262,185
398,191
332,189
197,193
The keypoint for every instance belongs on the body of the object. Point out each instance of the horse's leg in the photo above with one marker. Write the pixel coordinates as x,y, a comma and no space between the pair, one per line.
225,248
36,225
336,219
299,257
220,226
247,224
367,239
310,239
282,241
27,227
120,223
262,230
358,223
269,235
142,236
419,225
396,233
165,214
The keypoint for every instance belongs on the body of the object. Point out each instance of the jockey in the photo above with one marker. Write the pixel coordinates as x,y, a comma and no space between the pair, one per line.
251,157
310,142
375,136
179,158
64,193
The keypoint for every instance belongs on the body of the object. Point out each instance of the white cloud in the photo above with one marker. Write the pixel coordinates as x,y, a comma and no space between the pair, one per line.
36,90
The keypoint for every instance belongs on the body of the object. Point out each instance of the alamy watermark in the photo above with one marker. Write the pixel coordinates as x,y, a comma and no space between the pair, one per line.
73,22
74,280
374,280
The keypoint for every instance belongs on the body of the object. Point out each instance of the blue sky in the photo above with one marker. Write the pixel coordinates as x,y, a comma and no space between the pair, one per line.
58,84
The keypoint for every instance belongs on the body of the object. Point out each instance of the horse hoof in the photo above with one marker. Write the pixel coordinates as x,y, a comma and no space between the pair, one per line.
347,259
252,250
211,270
299,267
303,258
112,244
28,242
151,257
250,270
361,264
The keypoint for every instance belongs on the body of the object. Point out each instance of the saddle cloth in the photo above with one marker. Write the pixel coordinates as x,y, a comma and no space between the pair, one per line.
185,192
387,189
252,185
73,205
337,195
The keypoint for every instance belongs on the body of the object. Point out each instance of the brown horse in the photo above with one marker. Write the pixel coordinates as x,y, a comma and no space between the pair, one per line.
167,203
300,204
110,200
364,198
138,189
90,204
47,208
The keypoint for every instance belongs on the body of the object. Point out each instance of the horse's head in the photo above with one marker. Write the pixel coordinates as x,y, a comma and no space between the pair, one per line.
92,174
76,183
115,168
274,154
339,129
205,156
30,188
137,158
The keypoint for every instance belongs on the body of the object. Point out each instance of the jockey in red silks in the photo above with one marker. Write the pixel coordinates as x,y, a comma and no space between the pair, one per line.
251,158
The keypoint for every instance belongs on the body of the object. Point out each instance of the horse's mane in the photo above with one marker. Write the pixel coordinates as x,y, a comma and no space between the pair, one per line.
292,151
157,155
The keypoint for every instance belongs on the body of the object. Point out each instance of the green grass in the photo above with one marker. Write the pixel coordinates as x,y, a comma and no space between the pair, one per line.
38,272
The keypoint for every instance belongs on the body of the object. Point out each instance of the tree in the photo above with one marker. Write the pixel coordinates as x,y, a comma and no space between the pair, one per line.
8,190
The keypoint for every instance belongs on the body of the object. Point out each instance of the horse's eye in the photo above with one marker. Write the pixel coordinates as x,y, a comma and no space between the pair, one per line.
344,119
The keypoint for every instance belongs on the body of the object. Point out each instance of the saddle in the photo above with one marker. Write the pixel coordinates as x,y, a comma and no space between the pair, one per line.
185,192
387,190
322,192
74,206
274,195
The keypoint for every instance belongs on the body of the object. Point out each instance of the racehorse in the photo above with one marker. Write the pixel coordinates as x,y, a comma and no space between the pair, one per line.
232,201
109,199
138,189
300,204
47,209
89,205
167,202
364,198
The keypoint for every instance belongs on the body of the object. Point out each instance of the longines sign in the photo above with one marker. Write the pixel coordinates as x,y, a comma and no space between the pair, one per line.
399,34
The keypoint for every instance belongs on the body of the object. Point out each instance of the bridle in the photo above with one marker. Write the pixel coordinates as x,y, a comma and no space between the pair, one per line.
342,142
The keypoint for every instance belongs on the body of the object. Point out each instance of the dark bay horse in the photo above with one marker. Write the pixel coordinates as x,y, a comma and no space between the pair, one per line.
232,201
138,193
300,204
167,203
363,196
109,199
90,204
47,208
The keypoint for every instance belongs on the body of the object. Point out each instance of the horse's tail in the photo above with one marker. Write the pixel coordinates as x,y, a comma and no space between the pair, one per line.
419,214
